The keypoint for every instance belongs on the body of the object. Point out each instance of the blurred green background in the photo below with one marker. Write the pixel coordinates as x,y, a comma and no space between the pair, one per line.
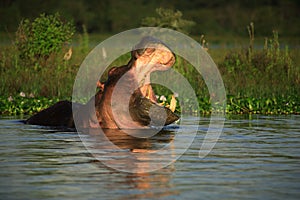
219,18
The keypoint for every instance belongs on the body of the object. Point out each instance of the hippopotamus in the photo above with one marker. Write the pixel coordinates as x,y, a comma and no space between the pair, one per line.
133,82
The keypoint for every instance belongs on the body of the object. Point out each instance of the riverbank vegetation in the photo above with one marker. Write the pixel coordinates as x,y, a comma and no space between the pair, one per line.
261,75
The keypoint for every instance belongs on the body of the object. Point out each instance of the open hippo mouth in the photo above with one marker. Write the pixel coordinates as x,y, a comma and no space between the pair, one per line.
125,100
130,101
151,55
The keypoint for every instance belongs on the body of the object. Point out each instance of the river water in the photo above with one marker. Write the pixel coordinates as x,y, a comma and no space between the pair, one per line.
256,157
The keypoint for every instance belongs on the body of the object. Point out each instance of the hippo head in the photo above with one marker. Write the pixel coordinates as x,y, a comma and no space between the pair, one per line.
130,85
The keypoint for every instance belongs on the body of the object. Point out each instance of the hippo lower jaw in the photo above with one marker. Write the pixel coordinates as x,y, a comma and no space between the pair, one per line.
145,110
149,114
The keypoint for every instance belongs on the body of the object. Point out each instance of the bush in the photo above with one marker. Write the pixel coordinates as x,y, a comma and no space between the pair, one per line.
168,18
43,37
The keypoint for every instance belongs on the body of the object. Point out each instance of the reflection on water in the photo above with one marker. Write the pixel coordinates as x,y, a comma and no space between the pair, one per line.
257,158
122,151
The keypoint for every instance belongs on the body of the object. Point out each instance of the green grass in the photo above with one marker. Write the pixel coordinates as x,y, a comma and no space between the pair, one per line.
49,81
258,83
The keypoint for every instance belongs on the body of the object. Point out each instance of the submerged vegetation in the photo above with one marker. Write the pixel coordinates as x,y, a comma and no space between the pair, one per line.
19,105
259,78
23,104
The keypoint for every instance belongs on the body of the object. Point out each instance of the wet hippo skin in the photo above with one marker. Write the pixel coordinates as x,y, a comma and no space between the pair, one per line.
132,81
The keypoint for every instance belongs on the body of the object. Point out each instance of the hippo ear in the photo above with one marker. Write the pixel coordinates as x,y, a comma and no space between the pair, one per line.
111,71
134,54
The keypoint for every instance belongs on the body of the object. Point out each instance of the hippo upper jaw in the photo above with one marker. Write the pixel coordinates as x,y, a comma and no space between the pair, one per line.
160,58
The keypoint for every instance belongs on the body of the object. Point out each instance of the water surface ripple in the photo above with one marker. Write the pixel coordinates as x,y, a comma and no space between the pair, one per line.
257,158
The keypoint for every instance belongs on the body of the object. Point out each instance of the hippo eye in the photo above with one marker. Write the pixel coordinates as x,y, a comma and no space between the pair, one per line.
140,51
